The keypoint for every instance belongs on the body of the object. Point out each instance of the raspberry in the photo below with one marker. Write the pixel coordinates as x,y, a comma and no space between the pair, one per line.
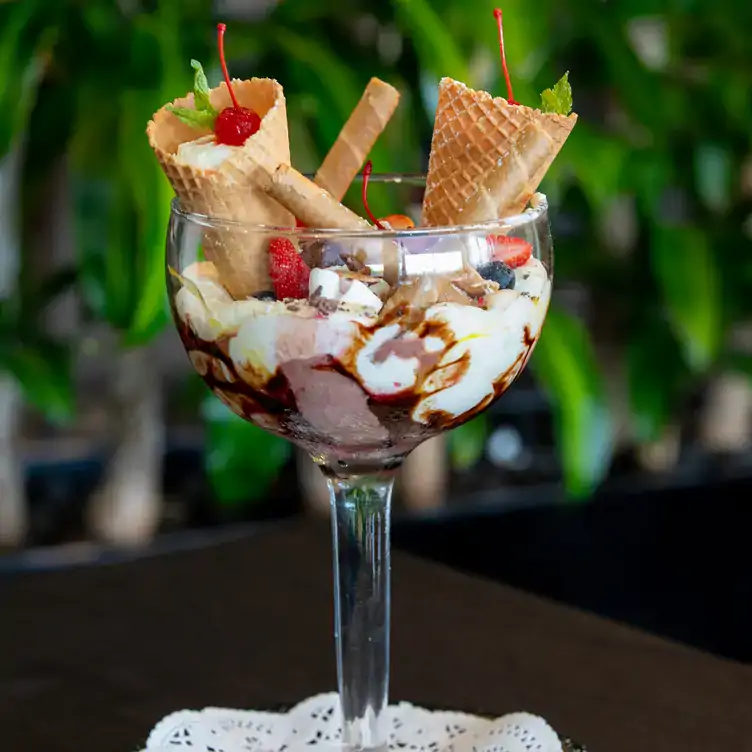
287,269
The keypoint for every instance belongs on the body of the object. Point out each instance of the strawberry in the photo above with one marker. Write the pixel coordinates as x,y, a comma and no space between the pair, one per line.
513,252
287,269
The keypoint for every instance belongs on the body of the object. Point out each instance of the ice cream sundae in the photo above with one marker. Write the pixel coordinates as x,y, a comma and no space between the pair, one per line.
357,337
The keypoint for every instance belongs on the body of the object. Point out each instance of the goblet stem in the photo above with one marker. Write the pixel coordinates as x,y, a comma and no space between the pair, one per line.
361,508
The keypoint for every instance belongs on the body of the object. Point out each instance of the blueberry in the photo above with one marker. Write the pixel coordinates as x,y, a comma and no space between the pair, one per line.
498,271
266,295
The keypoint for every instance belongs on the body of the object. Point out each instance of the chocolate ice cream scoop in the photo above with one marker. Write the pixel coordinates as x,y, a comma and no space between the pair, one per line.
333,404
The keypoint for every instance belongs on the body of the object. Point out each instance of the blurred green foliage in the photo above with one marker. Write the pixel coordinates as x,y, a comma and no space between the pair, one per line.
242,460
650,197
39,364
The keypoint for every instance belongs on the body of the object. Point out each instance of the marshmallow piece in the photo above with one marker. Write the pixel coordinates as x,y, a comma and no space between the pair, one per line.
327,280
204,153
359,294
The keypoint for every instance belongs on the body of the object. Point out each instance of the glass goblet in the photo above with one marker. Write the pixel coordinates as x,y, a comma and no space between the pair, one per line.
400,335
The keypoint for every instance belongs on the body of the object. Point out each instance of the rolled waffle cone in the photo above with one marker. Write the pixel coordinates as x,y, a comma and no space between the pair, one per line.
357,137
235,190
475,135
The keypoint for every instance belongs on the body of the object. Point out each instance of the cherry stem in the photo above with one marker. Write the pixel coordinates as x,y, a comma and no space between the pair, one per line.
367,170
510,95
221,29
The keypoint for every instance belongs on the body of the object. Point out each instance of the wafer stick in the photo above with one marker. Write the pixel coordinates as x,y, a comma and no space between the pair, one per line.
311,203
357,137
316,208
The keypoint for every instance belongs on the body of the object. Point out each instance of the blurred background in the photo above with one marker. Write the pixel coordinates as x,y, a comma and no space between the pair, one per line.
614,473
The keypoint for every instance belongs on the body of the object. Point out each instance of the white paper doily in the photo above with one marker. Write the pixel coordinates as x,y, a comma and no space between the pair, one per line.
317,722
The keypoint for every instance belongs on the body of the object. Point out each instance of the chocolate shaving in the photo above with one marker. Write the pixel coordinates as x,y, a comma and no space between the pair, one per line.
312,252
413,297
321,304
471,282
355,264
326,305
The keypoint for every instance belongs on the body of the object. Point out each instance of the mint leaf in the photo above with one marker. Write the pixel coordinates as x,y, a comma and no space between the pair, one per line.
194,118
559,99
201,89
204,114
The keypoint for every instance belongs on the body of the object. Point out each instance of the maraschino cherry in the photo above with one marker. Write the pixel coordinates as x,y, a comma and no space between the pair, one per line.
234,125
510,96
367,170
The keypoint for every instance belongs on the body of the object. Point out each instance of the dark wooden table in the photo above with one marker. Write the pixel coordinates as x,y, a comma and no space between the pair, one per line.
91,657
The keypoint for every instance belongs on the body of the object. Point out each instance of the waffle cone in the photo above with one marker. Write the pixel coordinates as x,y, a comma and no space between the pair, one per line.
476,140
235,190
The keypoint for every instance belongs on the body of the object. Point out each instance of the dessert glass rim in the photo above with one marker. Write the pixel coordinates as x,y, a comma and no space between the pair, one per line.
537,207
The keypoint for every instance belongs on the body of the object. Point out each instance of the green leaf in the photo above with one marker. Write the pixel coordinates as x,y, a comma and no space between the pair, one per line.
242,460
656,375
739,363
201,89
685,268
150,194
42,369
558,99
330,77
467,443
713,176
35,300
648,173
204,113
22,63
598,161
194,118
565,365
433,39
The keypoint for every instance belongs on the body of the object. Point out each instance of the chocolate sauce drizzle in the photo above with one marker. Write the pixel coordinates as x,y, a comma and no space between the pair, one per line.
277,400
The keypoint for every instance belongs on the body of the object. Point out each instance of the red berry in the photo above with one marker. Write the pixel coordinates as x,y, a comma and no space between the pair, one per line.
513,252
234,125
287,269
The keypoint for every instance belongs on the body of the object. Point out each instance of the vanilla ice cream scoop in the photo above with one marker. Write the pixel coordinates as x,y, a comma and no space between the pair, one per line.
204,153
264,343
204,304
487,346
